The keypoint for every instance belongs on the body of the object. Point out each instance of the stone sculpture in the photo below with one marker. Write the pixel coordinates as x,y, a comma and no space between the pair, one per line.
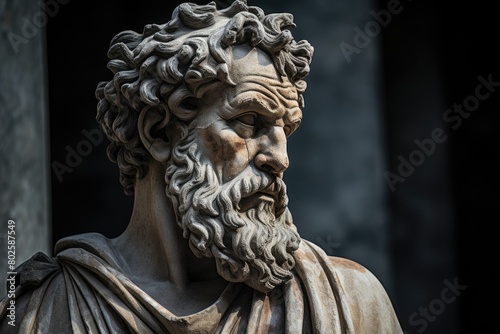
198,113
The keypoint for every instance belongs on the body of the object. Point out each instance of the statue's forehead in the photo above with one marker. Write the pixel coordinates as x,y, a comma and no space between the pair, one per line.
247,60
258,81
265,92
265,95
246,55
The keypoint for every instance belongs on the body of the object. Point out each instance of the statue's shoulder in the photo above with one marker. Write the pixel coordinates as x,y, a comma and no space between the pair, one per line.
90,241
31,282
355,287
353,276
41,283
359,284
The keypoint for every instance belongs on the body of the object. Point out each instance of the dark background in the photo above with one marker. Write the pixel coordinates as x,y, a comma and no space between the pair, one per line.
430,54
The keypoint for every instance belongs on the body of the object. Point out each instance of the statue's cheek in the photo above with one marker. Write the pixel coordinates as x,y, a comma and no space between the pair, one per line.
227,152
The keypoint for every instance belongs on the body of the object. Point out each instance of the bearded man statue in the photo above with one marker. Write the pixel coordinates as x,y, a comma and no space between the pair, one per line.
198,113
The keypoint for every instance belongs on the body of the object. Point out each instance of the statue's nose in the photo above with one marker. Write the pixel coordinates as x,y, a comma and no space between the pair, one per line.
272,156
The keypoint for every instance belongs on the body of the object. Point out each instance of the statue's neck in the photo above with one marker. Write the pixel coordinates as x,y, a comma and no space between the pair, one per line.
152,246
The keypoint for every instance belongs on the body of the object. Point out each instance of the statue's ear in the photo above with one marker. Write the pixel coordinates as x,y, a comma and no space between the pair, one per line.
152,125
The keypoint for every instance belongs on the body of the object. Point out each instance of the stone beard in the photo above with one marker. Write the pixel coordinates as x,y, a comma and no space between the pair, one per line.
253,245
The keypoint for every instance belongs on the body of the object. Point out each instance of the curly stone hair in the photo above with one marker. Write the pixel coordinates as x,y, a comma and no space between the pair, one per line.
168,63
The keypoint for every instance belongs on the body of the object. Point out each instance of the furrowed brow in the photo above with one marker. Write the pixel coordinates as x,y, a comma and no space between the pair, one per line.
259,104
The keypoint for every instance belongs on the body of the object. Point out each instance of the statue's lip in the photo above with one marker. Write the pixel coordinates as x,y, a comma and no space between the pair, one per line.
268,193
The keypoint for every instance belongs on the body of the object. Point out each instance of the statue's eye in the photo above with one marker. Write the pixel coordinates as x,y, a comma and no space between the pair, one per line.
245,125
288,130
249,119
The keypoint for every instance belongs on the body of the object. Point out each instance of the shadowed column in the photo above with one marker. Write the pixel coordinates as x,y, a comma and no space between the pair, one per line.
23,130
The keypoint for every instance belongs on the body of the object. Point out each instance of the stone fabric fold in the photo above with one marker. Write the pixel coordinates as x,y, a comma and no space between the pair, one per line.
83,290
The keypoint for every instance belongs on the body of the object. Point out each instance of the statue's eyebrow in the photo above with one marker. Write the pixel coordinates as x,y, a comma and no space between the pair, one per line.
262,105
269,102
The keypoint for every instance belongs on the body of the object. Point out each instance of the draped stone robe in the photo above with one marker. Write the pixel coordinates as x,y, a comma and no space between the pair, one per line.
83,290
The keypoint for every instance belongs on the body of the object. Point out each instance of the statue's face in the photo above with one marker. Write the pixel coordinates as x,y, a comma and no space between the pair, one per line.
225,177
246,126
